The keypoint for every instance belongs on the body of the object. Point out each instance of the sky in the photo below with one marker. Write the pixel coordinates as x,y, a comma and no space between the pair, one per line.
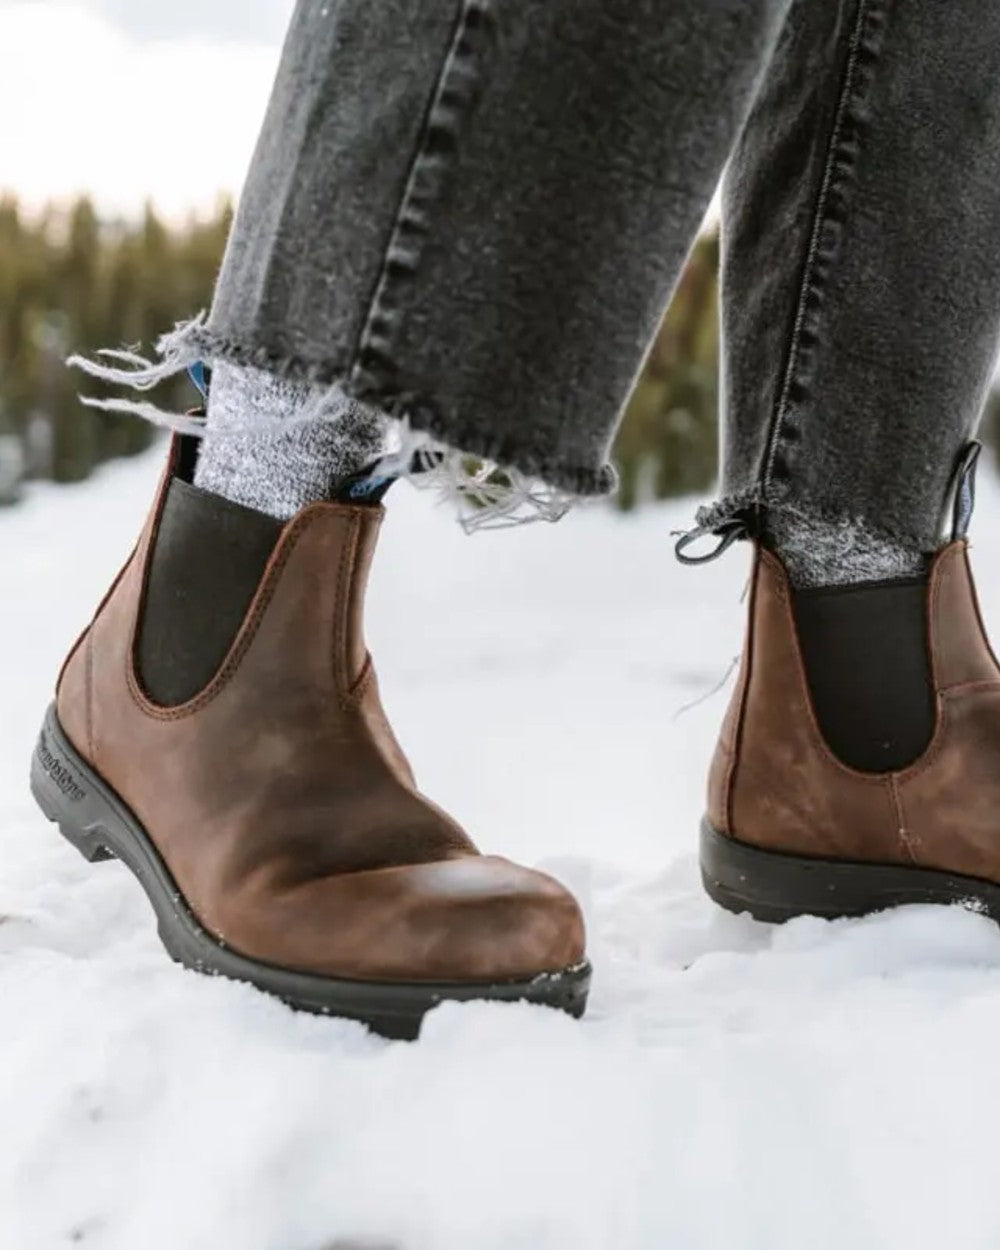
129,99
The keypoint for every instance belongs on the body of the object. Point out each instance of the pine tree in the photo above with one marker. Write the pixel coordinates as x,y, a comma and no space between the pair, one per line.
72,283
668,442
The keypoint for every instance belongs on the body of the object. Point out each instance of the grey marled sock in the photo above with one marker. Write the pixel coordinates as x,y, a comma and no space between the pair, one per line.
818,551
276,445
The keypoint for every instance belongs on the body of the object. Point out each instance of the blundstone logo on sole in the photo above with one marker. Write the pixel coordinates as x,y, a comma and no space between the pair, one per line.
60,774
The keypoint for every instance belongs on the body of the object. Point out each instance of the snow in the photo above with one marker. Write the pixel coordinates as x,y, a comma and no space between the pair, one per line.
734,1085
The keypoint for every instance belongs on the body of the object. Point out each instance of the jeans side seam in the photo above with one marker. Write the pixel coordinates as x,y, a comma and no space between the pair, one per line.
839,162
453,94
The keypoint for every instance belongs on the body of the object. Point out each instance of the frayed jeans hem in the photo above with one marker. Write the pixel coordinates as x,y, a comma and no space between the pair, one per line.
539,484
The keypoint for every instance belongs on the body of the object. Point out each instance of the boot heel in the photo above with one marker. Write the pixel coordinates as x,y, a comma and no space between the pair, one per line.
775,886
65,796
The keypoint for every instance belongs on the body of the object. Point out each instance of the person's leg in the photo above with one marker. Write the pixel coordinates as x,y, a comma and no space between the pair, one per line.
469,215
862,316
861,279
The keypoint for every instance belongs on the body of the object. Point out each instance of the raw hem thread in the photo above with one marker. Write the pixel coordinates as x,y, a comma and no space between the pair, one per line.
495,481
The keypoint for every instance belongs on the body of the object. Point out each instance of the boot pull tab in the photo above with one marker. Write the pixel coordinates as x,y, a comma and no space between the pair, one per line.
727,532
964,490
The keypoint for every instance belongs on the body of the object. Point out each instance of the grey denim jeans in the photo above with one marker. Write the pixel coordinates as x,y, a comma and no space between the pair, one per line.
473,213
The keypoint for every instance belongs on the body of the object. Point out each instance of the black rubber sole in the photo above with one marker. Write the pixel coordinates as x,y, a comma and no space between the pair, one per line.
96,821
773,886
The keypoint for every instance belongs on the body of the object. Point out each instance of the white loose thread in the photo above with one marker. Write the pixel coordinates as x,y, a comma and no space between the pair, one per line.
315,426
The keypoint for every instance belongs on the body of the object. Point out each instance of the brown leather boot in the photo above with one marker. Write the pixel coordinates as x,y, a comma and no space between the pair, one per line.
792,829
269,813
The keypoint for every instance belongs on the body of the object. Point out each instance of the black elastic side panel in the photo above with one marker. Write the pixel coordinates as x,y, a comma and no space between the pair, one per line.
187,457
206,566
868,665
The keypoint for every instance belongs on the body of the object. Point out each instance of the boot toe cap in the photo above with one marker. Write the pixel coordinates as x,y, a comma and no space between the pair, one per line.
485,918
473,919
